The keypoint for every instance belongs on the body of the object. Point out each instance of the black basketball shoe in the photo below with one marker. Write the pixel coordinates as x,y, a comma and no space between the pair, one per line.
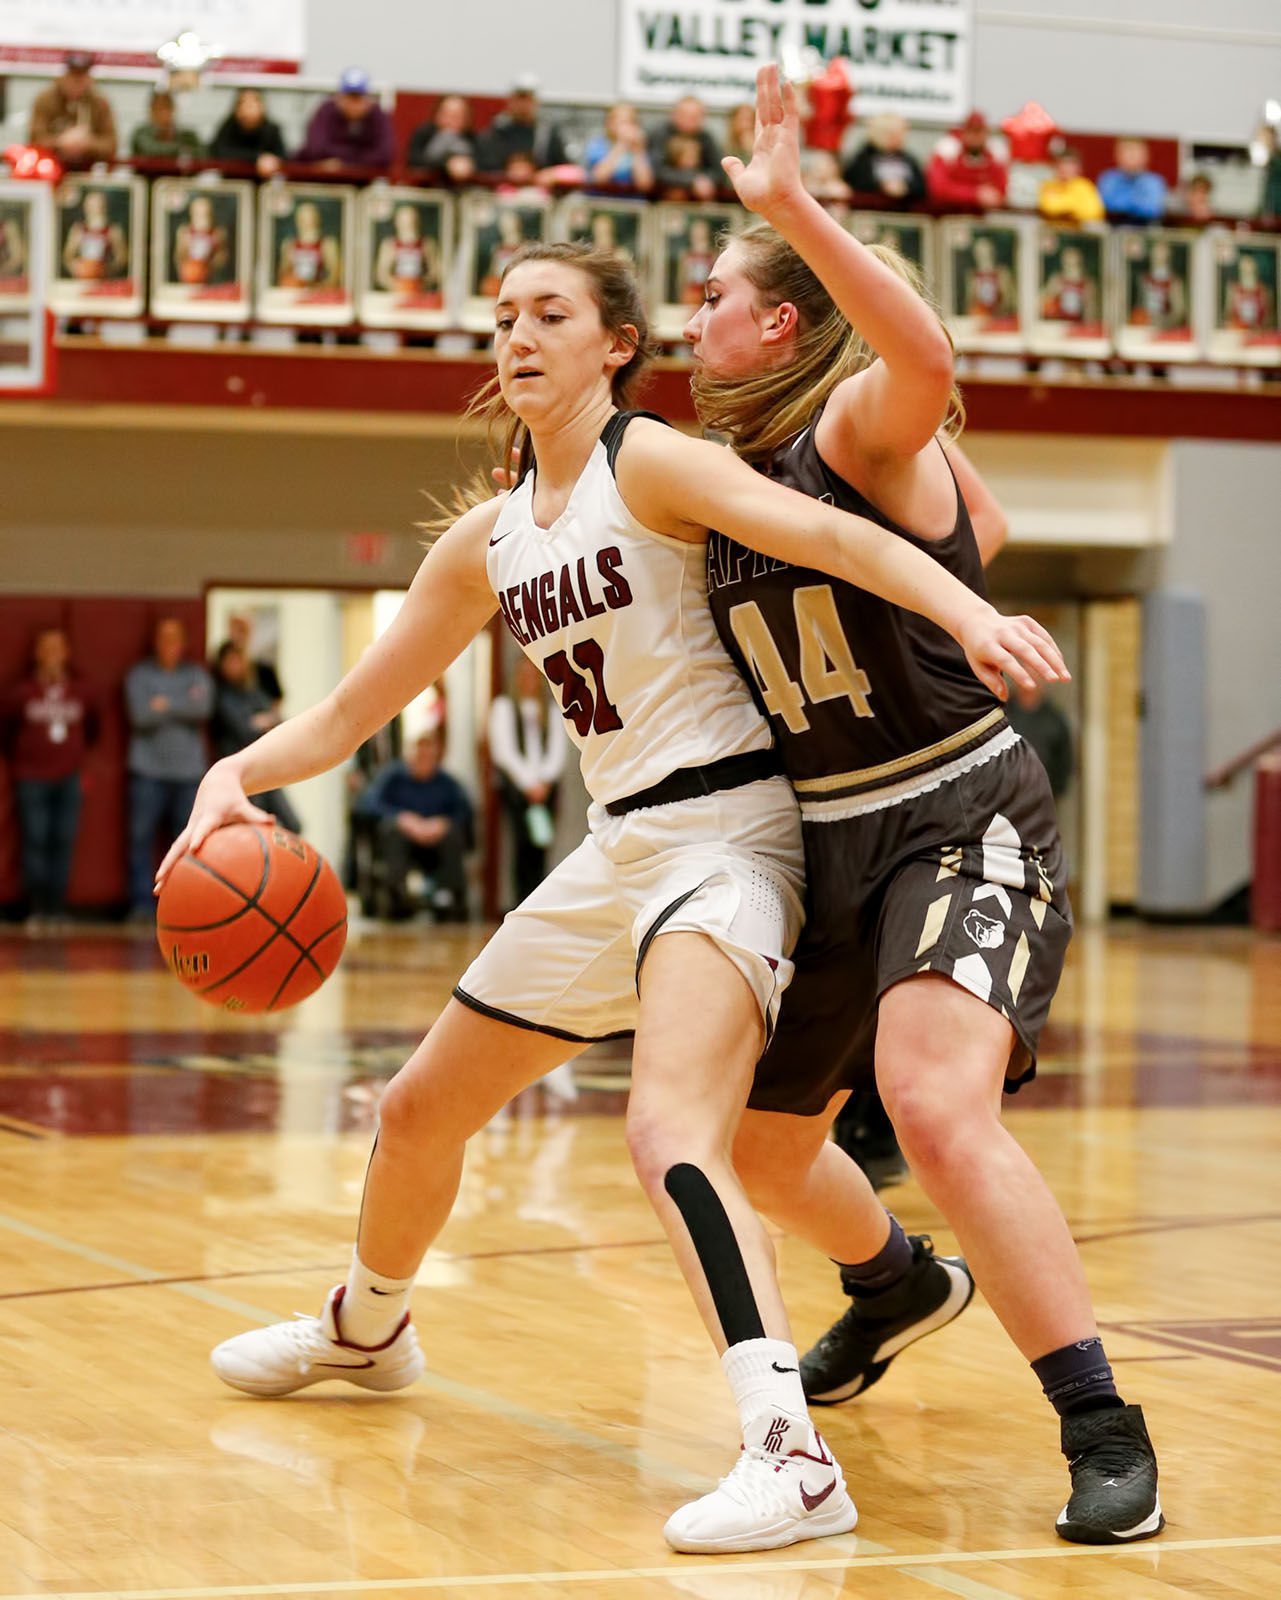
855,1351
1113,1467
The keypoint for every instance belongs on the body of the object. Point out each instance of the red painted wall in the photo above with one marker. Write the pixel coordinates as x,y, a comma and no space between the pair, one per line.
107,637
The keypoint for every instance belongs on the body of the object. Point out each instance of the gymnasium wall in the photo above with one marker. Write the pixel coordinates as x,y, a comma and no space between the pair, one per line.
1158,66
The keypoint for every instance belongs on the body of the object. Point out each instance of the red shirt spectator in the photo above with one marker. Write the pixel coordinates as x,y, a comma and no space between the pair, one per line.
968,167
50,717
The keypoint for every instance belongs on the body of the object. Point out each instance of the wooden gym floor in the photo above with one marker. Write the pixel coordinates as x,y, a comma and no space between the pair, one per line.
173,1176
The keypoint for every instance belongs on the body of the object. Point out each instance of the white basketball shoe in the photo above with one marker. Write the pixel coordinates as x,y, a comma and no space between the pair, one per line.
781,1490
293,1355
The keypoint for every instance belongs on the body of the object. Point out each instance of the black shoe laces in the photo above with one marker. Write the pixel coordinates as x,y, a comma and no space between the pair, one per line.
1109,1458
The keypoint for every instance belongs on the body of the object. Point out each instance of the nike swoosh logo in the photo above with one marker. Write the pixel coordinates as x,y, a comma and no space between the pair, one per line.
372,1290
813,1501
355,1366
777,1368
501,537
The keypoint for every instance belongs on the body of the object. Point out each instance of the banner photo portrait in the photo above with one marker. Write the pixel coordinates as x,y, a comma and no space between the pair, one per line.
910,236
1071,303
1244,279
494,228
981,273
201,250
406,254
126,33
1155,281
685,252
99,247
305,254
910,56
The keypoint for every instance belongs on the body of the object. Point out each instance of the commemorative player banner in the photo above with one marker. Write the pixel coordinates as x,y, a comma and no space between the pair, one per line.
910,56
252,37
980,273
1071,300
1243,280
406,253
201,250
99,247
305,257
1155,278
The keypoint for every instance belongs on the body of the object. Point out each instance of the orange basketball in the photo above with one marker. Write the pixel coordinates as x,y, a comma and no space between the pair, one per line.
255,922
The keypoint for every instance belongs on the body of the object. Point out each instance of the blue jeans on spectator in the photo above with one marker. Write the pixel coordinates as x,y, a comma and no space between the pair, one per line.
48,817
156,805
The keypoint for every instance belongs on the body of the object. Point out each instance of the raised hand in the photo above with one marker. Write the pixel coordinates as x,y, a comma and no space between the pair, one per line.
220,799
773,176
1019,648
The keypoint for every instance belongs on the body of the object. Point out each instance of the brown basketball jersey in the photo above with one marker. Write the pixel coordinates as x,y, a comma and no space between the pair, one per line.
849,681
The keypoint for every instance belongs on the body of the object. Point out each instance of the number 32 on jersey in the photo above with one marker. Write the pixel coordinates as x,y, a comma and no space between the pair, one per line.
827,666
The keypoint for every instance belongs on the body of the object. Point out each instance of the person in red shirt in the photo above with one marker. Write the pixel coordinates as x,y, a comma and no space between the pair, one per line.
49,722
967,168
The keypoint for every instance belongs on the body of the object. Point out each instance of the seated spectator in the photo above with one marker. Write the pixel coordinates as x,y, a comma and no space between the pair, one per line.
160,135
821,176
968,167
519,129
1131,193
168,701
1196,200
740,132
71,118
243,712
686,159
620,156
249,135
1270,192
49,721
350,129
445,144
527,746
424,821
884,165
520,175
1069,196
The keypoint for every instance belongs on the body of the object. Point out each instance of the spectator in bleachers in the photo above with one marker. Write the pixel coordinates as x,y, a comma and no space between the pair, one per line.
1195,202
445,144
424,822
518,128
161,135
884,165
821,177
740,132
71,118
1069,196
248,134
350,129
686,158
242,712
168,702
1270,193
1130,192
49,721
620,155
968,167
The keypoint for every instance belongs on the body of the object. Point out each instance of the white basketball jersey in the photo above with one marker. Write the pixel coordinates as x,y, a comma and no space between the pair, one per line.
615,616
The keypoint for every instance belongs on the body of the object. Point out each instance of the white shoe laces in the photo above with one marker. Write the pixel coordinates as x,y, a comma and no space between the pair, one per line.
760,1483
303,1339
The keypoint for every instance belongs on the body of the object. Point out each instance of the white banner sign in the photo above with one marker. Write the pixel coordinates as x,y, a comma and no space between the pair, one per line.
911,56
252,35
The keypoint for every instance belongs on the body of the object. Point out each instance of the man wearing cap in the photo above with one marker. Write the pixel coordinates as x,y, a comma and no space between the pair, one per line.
71,118
350,129
967,167
517,131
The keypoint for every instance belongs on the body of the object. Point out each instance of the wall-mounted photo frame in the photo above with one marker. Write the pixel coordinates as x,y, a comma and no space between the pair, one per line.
607,224
1244,278
99,247
980,273
18,259
1071,302
305,255
912,237
686,244
494,226
1154,273
26,326
201,250
405,257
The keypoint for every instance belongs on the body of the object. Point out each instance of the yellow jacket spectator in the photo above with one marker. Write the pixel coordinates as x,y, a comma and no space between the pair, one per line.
1069,196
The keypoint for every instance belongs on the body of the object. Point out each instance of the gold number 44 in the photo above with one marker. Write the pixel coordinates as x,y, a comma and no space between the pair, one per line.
828,668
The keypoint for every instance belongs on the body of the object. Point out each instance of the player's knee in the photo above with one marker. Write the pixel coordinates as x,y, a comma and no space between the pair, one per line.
935,1132
656,1143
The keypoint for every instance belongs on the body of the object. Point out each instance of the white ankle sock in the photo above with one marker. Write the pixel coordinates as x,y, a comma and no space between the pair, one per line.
372,1306
764,1373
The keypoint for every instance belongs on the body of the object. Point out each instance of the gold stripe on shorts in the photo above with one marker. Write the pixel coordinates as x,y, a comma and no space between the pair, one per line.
901,764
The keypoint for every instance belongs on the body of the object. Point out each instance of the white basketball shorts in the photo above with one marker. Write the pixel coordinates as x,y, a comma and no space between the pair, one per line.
729,865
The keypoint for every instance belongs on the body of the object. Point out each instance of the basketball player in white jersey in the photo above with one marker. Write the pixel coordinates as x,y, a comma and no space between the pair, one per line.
95,246
200,245
687,887
310,259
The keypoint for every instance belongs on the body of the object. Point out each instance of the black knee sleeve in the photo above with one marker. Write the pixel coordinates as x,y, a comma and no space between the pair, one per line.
718,1252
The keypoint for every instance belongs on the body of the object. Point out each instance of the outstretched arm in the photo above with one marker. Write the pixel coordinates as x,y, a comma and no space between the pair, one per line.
896,406
681,487
448,603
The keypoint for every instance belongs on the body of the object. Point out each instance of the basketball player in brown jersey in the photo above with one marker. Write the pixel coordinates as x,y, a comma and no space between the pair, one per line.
938,916
200,246
310,259
95,246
